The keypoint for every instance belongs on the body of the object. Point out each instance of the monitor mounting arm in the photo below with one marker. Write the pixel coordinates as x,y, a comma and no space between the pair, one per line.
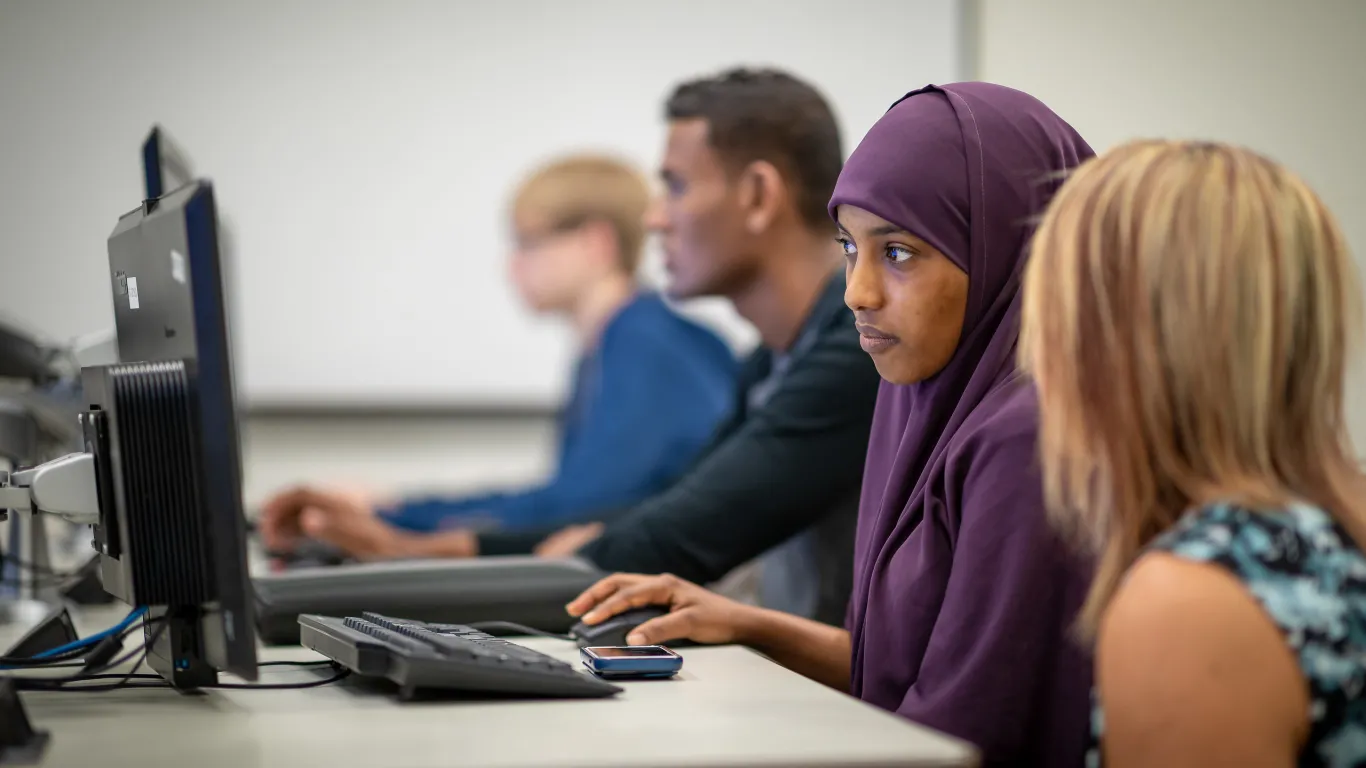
63,487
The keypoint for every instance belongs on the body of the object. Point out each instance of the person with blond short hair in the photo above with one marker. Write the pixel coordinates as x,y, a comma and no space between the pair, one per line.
649,388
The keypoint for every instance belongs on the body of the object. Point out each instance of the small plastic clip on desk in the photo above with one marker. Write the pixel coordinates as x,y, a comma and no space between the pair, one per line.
20,744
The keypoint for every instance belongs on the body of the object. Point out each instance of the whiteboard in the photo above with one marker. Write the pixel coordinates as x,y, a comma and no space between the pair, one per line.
363,153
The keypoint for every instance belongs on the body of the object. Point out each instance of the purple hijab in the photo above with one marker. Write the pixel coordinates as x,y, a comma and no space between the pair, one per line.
963,597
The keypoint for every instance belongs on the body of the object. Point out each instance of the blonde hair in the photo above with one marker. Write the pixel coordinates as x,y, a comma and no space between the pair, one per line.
575,190
1188,312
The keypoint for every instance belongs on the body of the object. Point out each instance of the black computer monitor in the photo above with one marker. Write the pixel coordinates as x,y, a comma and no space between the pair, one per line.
164,166
162,426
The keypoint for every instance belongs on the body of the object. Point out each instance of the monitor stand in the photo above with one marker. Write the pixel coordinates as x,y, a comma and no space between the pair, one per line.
29,591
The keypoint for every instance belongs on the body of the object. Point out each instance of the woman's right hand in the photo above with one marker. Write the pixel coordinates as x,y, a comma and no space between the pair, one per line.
694,613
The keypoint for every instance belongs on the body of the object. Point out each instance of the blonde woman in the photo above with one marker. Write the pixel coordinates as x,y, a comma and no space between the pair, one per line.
1187,317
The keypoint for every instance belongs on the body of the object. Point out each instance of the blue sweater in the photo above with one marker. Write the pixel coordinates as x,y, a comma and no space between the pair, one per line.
645,402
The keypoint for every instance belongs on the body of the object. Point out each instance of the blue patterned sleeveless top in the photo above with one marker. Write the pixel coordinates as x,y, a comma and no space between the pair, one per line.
1310,578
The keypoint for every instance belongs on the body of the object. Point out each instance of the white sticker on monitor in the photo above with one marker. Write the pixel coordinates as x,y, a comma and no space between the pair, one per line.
133,293
177,266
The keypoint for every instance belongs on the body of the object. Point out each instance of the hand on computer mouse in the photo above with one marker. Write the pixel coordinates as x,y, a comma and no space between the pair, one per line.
694,613
339,519
280,521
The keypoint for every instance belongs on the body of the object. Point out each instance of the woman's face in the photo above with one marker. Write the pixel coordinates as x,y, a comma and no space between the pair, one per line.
908,299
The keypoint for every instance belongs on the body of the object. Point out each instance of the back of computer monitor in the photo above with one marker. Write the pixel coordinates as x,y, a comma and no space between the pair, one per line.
166,168
162,424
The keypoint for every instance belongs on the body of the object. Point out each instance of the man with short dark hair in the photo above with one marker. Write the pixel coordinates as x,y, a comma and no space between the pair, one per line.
751,161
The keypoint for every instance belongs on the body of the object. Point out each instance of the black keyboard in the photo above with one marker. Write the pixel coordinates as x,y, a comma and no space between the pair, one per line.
419,655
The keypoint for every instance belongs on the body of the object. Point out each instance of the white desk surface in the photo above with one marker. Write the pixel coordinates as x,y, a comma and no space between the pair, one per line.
729,707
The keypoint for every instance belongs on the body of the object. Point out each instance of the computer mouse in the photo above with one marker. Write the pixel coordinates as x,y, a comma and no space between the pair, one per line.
613,631
310,553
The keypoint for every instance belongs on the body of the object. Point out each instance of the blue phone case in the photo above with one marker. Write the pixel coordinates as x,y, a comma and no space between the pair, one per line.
665,664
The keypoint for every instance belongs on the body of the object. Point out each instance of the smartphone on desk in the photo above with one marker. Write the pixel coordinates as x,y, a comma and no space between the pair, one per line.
626,662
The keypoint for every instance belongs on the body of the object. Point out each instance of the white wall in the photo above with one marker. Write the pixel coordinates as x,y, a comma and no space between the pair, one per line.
363,152
1286,78
395,454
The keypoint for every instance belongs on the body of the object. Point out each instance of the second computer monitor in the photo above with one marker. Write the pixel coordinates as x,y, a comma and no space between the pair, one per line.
164,167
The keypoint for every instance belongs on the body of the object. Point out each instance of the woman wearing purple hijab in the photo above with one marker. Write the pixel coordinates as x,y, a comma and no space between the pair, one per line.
963,596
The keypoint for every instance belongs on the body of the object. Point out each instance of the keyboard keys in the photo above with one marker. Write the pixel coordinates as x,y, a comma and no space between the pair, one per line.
456,641
451,656
386,635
